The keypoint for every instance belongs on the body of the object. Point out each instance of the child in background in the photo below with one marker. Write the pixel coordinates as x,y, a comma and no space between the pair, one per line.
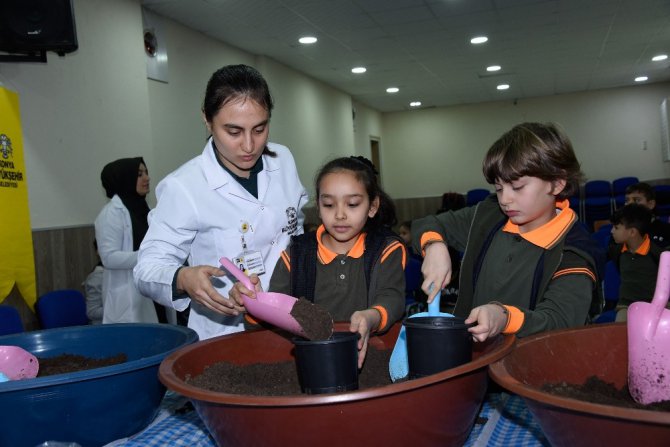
635,256
93,290
528,265
353,265
643,194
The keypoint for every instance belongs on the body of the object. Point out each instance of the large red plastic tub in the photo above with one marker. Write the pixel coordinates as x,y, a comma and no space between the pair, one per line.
435,410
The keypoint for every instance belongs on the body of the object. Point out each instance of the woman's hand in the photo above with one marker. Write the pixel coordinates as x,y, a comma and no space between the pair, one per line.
364,322
196,282
436,269
240,289
491,320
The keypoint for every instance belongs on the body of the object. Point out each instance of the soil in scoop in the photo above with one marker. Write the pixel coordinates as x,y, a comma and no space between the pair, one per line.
316,322
597,391
281,379
67,363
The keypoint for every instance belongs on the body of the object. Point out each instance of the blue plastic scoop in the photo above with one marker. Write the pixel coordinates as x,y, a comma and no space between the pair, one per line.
399,363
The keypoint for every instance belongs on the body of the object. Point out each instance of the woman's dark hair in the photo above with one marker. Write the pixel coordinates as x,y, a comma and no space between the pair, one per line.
232,82
534,150
366,173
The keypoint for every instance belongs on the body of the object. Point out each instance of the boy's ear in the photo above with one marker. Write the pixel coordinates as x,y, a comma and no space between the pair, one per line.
651,204
374,207
558,186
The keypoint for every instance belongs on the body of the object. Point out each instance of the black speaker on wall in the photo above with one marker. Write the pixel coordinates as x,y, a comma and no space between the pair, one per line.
29,26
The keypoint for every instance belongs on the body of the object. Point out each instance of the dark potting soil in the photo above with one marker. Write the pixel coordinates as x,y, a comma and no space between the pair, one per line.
597,391
281,379
315,321
67,363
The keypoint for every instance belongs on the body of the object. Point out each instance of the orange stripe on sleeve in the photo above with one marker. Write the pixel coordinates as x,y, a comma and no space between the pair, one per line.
250,319
391,248
384,315
515,320
286,259
577,271
429,236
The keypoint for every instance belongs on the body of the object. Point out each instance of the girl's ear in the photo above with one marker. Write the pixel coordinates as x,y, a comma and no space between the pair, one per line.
374,207
207,125
558,186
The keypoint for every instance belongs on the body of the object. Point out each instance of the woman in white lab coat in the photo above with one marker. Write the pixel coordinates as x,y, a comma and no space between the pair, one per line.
241,198
119,229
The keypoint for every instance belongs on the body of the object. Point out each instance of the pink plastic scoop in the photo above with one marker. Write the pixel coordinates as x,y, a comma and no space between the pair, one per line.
17,363
649,342
275,308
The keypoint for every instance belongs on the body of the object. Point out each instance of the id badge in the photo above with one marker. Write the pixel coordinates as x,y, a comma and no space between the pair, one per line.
250,262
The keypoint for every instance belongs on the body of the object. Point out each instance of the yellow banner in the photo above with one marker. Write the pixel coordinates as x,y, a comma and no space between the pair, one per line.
17,265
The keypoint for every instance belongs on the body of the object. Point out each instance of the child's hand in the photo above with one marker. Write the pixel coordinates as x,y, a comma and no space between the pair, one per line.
436,269
490,319
364,322
239,289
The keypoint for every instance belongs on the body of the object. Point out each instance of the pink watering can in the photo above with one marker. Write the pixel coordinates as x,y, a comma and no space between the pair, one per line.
649,342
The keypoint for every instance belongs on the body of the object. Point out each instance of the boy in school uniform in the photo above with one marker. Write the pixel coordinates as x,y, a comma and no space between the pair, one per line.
528,265
643,194
636,256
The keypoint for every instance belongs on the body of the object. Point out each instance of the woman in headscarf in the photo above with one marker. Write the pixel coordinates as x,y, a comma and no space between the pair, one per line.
119,230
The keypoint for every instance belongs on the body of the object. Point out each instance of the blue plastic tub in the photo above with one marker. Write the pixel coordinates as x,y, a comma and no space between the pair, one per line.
92,407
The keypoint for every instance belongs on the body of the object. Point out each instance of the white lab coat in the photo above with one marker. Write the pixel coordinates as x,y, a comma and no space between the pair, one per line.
122,302
199,215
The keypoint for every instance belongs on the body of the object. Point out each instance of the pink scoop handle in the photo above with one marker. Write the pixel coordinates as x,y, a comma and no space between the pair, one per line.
236,272
662,291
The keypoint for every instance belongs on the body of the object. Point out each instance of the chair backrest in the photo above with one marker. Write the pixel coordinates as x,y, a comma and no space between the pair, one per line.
612,282
10,320
413,278
619,185
597,188
474,196
60,308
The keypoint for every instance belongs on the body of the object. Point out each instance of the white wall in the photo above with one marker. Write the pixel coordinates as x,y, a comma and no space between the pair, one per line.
81,111
429,152
95,105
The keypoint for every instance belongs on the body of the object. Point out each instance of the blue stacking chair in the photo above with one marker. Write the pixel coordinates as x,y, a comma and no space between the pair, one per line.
611,285
597,202
10,320
413,278
474,196
66,307
603,235
619,189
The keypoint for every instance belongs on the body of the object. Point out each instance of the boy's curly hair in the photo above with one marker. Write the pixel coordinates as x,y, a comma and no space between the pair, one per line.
534,150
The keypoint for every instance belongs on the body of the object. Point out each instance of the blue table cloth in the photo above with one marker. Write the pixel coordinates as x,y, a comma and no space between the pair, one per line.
504,420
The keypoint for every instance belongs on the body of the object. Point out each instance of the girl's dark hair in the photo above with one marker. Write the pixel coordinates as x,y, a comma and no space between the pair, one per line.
534,150
366,173
232,82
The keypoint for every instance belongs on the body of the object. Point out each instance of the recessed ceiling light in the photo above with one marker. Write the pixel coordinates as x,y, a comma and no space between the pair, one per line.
641,79
392,90
307,40
660,57
359,70
503,87
479,39
415,103
493,68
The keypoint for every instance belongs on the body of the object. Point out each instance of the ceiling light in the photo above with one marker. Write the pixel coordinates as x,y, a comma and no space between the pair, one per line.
359,70
392,90
307,40
415,103
503,87
493,68
479,39
660,57
641,79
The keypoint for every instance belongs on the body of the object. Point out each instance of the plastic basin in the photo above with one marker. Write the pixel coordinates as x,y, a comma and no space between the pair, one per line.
92,407
572,356
434,410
